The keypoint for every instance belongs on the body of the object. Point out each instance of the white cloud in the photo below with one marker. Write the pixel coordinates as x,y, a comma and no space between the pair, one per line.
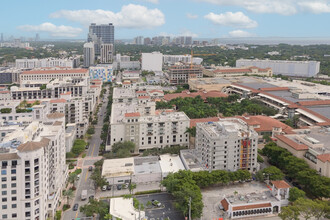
184,32
151,1
315,7
284,7
191,16
130,16
237,19
240,33
53,30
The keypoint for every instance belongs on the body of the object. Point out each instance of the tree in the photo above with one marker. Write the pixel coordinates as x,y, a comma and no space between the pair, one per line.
98,179
73,177
78,146
191,131
95,207
68,194
131,187
108,216
267,138
273,172
295,194
289,213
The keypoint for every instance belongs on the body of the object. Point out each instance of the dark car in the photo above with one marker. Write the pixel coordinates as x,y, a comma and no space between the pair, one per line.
75,207
87,146
119,187
90,168
108,187
91,197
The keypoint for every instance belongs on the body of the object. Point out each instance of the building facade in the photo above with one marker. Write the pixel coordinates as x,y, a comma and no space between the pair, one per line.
102,34
152,61
226,145
180,74
89,54
106,53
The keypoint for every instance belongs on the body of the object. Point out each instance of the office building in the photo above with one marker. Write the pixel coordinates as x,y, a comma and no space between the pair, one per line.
152,61
229,72
147,41
228,144
188,40
89,54
2,39
106,53
33,169
102,72
284,67
139,40
172,59
72,62
105,33
179,74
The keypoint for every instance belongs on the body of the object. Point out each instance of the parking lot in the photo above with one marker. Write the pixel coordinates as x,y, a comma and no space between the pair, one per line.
166,211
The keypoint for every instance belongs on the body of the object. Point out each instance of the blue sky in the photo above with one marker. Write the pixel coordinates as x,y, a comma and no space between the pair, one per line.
197,18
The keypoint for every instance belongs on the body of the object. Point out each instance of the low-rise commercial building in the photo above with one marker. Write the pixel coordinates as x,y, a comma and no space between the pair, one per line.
180,74
123,208
72,62
229,72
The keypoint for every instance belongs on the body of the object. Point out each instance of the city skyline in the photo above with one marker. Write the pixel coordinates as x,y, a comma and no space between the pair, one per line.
196,18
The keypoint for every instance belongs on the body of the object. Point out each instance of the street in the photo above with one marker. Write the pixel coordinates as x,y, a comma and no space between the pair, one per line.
92,156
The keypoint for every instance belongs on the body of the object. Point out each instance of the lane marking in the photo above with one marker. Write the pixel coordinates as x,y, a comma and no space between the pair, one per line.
93,150
86,176
76,215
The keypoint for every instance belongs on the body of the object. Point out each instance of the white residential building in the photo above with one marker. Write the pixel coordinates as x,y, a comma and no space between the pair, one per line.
71,62
152,61
284,67
136,120
43,76
107,53
33,169
229,144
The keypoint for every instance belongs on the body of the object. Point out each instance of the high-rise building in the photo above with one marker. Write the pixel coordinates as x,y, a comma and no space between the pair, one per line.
147,41
89,54
188,40
105,33
106,53
1,40
37,37
229,144
139,40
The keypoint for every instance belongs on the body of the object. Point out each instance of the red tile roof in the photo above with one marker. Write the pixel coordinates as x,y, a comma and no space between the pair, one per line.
95,86
3,92
200,120
291,143
204,95
312,103
240,70
139,92
155,90
55,71
133,114
280,184
265,123
324,157
58,101
246,87
144,97
225,204
275,89
126,83
253,206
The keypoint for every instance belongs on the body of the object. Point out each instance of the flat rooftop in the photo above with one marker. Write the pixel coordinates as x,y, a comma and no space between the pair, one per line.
325,110
190,160
146,165
118,167
164,117
170,163
124,209
252,197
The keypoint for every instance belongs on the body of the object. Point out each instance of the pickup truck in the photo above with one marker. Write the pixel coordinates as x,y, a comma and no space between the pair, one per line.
84,194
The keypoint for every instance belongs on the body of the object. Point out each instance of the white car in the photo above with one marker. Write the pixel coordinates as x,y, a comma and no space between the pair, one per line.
104,188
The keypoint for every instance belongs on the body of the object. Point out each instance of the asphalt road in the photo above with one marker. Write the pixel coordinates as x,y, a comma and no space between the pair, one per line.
92,156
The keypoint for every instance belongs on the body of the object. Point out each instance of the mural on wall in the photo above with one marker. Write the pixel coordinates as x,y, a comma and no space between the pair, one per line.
104,73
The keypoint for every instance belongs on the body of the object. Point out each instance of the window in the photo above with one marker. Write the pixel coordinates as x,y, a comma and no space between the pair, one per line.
3,172
13,198
4,164
13,185
13,192
4,206
13,171
13,178
14,215
4,199
5,216
4,186
14,206
27,205
3,179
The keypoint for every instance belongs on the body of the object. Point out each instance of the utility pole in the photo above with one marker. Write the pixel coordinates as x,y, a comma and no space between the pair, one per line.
189,208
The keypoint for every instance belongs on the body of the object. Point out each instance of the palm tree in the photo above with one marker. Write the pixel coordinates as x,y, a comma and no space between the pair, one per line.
191,131
73,178
68,194
131,187
108,216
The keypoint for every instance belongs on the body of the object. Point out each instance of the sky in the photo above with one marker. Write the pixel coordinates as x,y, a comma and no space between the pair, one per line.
69,19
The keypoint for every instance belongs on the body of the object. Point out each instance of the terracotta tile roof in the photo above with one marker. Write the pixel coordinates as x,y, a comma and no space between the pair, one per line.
95,86
280,184
4,92
133,114
55,71
126,83
225,204
204,95
275,89
266,123
55,115
155,90
66,93
324,157
315,114
312,103
31,145
291,143
58,101
240,70
140,92
326,123
253,206
9,156
58,123
200,120
144,97
246,87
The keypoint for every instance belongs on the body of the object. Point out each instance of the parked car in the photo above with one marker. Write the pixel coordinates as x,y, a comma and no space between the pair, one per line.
108,187
104,188
87,146
90,168
91,197
78,176
75,207
156,203
125,186
119,187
